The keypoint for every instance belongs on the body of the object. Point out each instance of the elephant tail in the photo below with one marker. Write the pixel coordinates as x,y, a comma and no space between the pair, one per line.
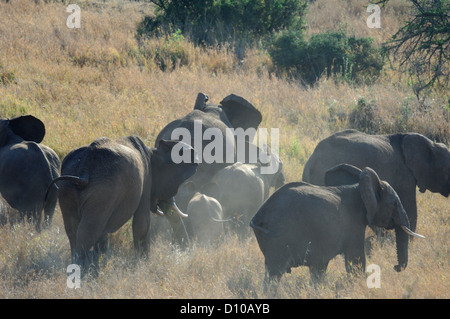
266,232
217,220
79,181
254,226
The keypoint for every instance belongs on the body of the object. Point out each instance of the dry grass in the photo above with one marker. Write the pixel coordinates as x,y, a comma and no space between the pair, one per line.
99,81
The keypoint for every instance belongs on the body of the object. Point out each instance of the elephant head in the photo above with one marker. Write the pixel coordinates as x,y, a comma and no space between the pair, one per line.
429,163
26,127
382,204
165,169
233,112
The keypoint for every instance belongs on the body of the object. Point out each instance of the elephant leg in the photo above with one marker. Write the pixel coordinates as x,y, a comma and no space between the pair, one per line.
89,233
69,210
26,216
102,245
87,258
141,230
49,209
354,254
271,281
37,218
401,238
71,226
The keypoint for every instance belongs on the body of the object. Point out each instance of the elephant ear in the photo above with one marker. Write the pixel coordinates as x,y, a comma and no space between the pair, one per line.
370,188
417,152
342,174
28,127
200,102
240,112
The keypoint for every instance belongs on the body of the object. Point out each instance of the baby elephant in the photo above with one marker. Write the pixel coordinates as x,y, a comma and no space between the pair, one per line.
304,224
205,222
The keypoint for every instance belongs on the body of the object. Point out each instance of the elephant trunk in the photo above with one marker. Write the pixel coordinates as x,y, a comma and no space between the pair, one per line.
402,233
167,209
401,219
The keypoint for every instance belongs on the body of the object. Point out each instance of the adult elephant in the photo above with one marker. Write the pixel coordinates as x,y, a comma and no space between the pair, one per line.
403,160
27,168
233,112
305,224
104,184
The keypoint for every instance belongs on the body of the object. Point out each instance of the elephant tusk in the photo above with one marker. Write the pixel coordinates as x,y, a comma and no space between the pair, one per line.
179,212
410,232
159,211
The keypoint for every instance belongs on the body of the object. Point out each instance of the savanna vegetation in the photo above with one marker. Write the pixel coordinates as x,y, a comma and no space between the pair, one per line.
109,78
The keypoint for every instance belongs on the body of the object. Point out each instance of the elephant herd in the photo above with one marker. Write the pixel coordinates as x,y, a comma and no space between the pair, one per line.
352,180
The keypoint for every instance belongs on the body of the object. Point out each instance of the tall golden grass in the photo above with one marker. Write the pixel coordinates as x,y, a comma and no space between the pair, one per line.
100,81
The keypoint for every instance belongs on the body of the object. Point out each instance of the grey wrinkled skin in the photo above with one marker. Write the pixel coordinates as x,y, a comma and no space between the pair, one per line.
403,160
27,168
241,189
104,184
305,224
232,112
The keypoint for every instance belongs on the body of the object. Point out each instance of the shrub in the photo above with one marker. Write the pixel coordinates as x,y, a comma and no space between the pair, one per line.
217,21
422,44
330,53
363,117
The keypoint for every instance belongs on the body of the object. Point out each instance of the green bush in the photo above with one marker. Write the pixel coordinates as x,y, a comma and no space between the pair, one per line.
363,117
217,21
326,54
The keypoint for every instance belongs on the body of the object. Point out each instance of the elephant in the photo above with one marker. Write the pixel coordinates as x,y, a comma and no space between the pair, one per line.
403,160
233,112
106,183
205,223
242,189
27,168
305,224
